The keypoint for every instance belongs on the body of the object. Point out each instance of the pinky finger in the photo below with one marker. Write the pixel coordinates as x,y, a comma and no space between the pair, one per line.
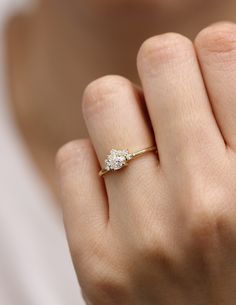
84,200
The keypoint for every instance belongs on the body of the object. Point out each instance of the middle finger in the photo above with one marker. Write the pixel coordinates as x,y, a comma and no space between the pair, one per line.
177,101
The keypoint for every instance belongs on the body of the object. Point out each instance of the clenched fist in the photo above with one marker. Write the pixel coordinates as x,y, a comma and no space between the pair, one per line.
161,231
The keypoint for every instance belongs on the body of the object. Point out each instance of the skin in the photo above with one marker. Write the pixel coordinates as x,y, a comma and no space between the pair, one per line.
161,231
59,39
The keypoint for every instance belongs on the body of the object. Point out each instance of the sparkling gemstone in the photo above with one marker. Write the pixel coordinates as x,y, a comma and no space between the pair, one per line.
117,159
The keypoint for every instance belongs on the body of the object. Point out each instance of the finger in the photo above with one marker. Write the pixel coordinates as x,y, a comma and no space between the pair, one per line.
216,49
177,101
84,200
115,116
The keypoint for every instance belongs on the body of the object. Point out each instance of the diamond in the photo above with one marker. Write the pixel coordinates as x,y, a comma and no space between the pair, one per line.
117,159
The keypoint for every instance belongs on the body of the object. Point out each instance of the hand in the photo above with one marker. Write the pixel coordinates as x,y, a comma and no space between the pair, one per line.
162,230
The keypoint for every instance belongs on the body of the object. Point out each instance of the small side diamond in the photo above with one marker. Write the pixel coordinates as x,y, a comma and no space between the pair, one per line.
129,156
107,167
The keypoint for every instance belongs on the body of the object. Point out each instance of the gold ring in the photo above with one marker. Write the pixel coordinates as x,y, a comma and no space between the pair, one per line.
117,159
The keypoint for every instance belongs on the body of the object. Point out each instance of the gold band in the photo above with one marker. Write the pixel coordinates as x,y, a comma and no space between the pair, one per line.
118,159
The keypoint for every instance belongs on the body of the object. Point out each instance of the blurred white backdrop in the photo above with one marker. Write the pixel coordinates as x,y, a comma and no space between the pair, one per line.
35,264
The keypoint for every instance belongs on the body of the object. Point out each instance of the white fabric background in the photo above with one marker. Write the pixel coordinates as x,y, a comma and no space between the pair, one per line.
35,265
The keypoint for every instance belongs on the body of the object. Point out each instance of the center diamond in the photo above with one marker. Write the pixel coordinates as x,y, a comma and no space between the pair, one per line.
117,159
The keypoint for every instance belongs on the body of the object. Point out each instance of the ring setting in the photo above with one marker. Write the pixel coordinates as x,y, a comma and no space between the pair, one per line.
117,159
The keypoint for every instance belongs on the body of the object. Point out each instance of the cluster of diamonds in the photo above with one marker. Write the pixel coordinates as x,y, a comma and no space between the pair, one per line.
117,159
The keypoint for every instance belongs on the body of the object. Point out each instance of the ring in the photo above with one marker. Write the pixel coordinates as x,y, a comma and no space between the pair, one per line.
117,159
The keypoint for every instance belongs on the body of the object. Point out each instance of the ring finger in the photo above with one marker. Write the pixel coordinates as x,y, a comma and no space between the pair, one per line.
115,115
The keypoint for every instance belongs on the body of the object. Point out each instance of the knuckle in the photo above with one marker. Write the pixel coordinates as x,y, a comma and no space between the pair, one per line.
209,221
217,39
105,285
204,230
98,94
151,249
71,153
162,49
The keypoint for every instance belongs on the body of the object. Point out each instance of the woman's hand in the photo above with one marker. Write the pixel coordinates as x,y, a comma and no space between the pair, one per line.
163,230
